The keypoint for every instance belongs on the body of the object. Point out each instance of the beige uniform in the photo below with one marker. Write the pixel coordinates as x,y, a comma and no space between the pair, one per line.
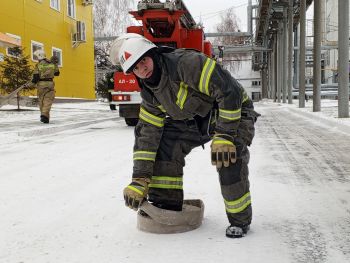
43,75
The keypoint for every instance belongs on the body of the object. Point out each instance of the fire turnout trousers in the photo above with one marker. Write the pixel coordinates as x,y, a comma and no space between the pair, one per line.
46,96
166,187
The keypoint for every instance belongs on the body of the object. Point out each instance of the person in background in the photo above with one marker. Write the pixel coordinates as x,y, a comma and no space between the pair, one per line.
44,72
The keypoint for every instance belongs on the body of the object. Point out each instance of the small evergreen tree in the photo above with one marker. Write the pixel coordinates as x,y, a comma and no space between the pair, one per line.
15,71
104,85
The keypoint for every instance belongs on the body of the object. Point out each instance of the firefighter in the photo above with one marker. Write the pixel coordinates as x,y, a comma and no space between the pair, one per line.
187,100
44,72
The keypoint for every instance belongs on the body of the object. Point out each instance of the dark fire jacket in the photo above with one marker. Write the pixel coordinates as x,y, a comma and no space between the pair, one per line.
191,84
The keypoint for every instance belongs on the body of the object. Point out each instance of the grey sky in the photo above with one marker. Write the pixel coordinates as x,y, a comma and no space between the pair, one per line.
210,11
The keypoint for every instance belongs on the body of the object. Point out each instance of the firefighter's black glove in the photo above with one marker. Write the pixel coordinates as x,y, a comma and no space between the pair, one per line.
136,192
223,150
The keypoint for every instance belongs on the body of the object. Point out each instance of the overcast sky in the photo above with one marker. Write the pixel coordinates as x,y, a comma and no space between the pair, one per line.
210,11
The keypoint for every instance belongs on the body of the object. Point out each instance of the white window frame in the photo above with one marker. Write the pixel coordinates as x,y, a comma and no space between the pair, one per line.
35,43
55,4
55,49
71,7
8,48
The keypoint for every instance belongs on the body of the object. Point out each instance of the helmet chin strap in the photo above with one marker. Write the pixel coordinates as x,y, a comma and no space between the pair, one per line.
154,79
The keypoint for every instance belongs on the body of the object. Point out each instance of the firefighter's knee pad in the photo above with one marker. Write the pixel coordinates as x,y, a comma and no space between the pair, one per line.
232,174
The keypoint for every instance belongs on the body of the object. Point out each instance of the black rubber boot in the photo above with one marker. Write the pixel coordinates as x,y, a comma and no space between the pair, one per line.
44,119
236,231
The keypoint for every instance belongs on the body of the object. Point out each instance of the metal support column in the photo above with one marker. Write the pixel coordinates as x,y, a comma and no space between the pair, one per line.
280,62
290,51
270,75
296,58
343,59
275,68
264,83
285,55
317,57
302,54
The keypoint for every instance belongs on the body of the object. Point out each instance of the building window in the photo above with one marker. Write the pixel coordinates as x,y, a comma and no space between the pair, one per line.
55,4
9,51
71,8
36,46
58,54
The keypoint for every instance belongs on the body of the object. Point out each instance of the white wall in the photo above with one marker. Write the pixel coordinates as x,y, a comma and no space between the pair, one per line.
245,75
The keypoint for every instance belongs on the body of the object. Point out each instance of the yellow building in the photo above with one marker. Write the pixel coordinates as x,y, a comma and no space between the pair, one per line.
61,27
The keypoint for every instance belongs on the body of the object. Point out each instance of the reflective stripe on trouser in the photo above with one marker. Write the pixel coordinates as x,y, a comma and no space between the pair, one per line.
235,189
46,96
177,141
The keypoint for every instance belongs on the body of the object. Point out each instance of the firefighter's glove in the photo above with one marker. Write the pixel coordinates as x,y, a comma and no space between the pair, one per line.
223,150
136,192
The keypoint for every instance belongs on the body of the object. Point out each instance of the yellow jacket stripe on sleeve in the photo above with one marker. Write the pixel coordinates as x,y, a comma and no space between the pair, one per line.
205,76
230,115
150,118
182,95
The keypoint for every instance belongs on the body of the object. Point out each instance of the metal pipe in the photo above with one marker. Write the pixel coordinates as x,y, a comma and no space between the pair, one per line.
285,55
290,51
343,59
302,54
280,62
317,58
249,16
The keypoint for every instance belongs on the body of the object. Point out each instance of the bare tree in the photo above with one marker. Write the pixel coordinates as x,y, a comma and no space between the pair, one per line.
229,23
111,18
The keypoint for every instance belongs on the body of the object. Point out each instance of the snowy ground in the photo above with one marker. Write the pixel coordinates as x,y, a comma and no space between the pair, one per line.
61,191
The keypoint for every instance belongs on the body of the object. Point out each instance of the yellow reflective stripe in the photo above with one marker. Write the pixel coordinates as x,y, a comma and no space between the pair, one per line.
46,66
133,188
161,108
182,95
150,118
245,97
205,76
145,155
238,205
163,186
231,115
221,141
167,178
166,182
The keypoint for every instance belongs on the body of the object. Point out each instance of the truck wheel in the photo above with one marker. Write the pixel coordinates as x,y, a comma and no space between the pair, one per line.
131,121
112,107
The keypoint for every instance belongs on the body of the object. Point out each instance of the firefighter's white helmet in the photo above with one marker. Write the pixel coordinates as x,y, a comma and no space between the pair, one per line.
128,49
40,54
115,47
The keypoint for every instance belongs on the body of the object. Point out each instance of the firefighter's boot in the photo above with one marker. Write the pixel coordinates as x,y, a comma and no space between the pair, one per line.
236,231
44,119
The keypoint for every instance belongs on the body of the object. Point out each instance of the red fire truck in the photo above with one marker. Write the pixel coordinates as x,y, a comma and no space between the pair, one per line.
168,24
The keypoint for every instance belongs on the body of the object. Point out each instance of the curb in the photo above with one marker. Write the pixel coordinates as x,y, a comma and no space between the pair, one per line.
52,130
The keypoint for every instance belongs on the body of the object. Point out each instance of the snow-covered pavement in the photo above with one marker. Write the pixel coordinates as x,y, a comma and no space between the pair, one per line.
61,191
